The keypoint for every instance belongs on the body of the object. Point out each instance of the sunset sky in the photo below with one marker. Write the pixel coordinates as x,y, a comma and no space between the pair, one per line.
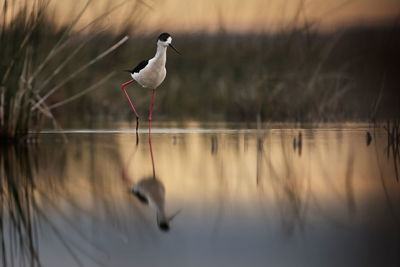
189,16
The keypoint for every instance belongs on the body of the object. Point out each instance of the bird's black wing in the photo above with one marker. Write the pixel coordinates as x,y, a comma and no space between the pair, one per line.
141,197
140,66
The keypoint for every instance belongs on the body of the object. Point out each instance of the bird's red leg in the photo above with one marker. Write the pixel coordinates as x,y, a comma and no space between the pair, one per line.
152,158
130,102
151,110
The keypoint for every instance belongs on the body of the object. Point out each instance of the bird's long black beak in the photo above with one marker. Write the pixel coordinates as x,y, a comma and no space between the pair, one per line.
174,49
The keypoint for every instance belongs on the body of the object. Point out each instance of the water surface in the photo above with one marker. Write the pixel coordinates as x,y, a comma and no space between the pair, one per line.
276,196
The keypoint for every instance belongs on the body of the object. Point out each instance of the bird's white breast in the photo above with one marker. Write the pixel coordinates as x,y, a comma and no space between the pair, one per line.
152,75
154,191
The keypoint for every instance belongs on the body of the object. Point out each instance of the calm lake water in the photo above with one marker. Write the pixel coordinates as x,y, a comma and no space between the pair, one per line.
233,197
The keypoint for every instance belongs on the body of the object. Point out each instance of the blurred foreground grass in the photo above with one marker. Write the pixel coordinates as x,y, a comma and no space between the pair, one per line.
34,57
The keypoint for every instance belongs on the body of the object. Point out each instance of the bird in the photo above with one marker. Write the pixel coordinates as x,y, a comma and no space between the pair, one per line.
151,73
151,191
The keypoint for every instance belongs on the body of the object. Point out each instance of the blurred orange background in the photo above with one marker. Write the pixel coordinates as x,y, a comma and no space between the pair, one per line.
240,16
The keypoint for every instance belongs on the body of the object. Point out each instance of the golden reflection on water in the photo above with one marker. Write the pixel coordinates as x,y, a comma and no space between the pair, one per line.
333,167
267,182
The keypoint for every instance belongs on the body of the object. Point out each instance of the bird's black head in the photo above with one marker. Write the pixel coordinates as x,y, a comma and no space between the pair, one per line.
164,37
165,40
164,226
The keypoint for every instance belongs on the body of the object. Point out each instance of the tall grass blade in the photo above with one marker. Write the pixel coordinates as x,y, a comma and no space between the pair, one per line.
60,41
87,90
71,76
64,63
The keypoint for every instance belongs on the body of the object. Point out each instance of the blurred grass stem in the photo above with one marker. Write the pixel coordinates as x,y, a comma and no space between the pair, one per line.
71,76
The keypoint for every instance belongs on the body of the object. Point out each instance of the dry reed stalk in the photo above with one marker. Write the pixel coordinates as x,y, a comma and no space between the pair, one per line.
45,110
87,90
94,21
328,50
69,38
60,45
64,63
59,42
2,102
376,103
72,75
24,42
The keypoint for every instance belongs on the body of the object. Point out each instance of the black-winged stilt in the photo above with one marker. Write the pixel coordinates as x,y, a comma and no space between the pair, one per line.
150,190
151,73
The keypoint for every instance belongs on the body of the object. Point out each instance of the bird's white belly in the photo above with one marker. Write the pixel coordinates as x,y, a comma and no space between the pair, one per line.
150,77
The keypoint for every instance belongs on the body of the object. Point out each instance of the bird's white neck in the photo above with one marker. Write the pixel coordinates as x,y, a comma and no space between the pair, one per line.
161,53
161,216
161,213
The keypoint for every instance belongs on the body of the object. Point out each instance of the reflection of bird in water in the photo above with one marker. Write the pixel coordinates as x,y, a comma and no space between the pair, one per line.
151,191
298,143
368,138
